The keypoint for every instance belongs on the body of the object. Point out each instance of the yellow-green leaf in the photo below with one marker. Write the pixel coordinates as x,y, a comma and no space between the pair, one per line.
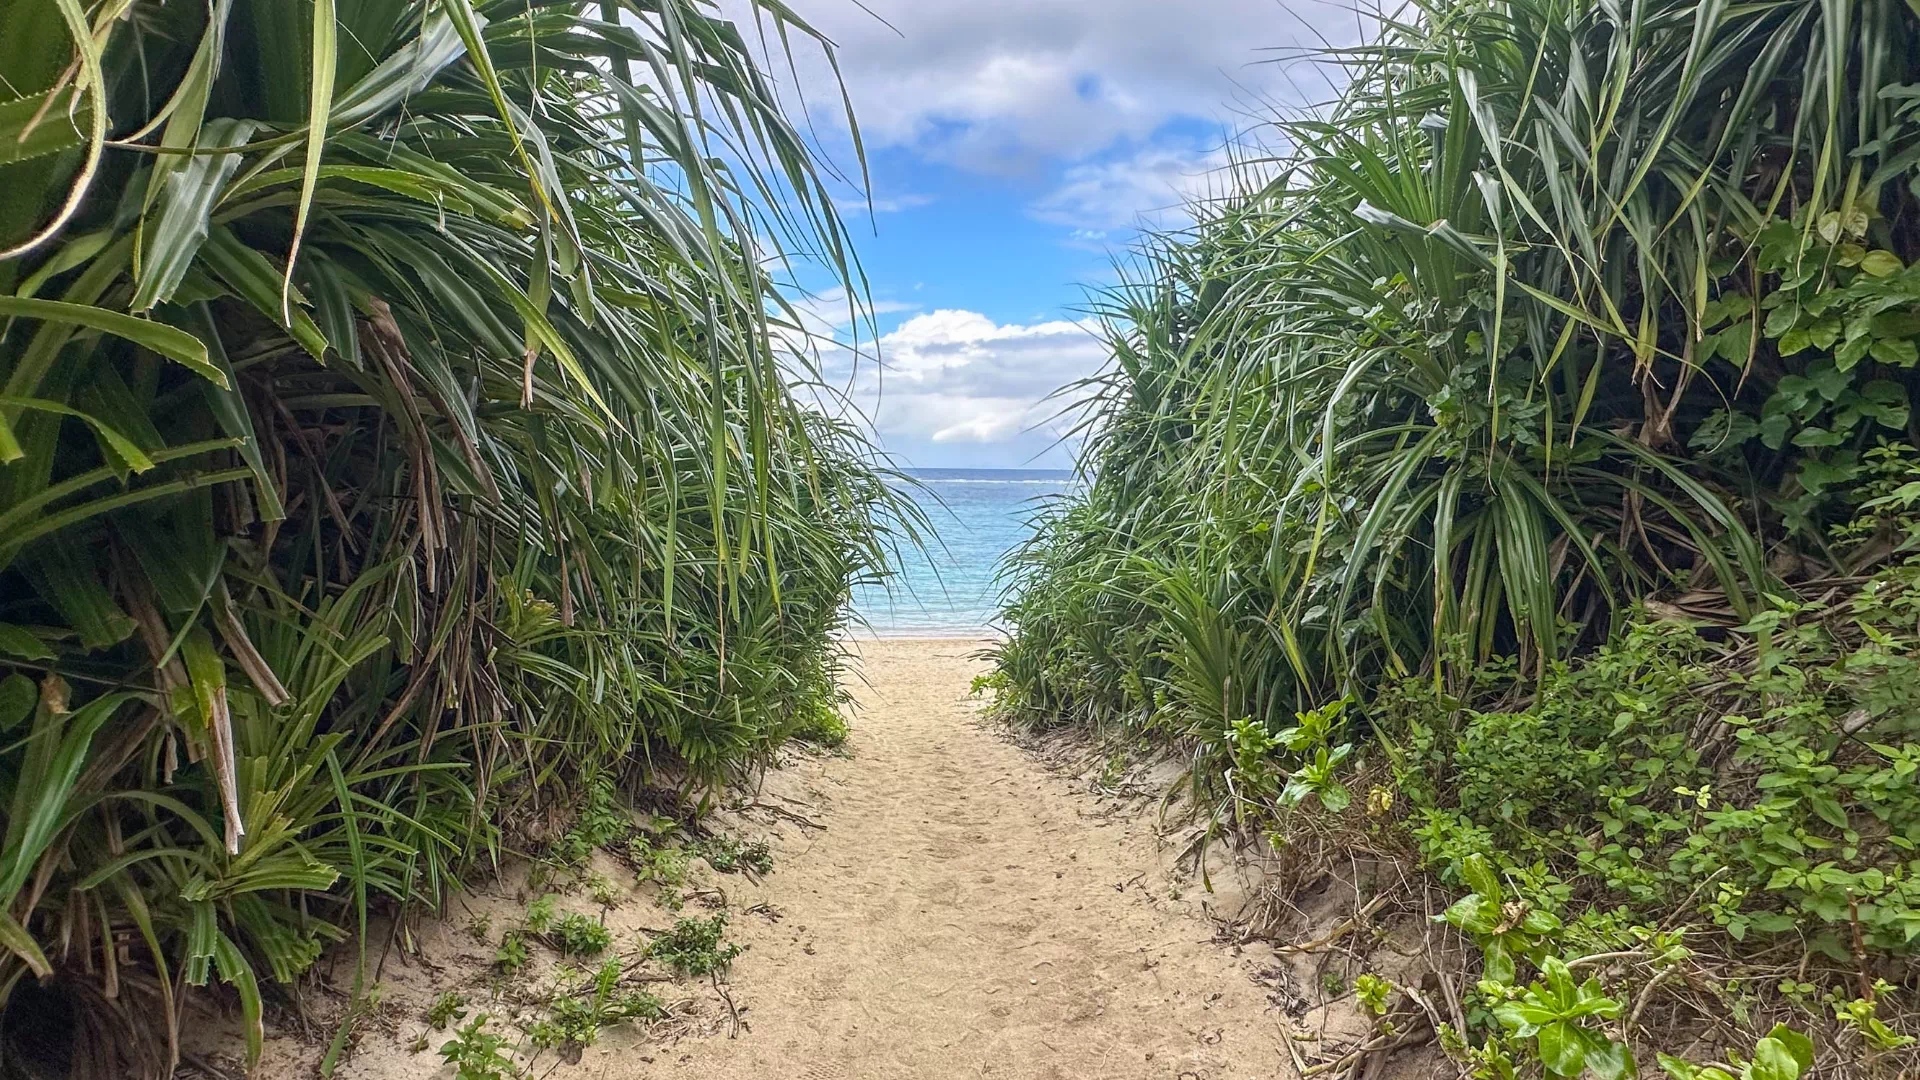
1881,263
20,943
319,108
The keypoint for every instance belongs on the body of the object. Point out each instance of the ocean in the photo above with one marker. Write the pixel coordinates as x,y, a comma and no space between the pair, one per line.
951,588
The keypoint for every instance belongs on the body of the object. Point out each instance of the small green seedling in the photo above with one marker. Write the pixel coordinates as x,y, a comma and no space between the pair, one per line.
1371,990
477,1054
512,955
1862,1015
729,856
603,891
447,1008
664,866
540,915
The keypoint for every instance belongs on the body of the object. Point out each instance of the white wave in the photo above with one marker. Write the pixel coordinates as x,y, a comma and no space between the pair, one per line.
935,481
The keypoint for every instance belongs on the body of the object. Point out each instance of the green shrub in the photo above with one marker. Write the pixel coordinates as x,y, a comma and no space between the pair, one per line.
1783,1054
576,1016
1807,824
664,865
578,935
601,823
1565,442
729,854
695,946
541,914
603,891
823,724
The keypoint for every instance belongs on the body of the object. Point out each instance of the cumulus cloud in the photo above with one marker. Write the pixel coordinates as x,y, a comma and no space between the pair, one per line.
956,379
1118,110
1000,85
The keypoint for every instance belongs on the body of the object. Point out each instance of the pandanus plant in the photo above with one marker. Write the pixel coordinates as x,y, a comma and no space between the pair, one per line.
1561,305
393,433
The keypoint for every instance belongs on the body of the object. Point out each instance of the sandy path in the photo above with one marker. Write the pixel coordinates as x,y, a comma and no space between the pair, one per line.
960,916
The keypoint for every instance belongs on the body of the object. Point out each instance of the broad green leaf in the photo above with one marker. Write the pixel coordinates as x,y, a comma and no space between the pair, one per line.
1498,962
1479,876
1829,809
17,698
1609,1060
23,643
1900,353
1563,1049
1798,1045
1679,1068
1773,1061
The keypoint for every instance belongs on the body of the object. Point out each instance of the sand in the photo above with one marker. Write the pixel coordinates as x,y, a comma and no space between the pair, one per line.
966,914
943,905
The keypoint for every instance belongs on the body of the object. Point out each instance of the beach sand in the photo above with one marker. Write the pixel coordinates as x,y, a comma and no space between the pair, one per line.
967,914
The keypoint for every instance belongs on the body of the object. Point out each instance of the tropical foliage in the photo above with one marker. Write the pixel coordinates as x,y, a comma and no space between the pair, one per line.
393,442
1568,317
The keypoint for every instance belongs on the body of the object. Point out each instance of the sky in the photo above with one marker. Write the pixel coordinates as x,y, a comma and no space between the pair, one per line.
1015,148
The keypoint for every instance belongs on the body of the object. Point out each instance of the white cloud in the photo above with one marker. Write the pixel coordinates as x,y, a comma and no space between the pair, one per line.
829,314
956,386
1111,195
1156,185
891,204
1001,85
1100,104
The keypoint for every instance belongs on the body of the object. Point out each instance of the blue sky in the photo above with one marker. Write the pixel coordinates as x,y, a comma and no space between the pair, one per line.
1015,146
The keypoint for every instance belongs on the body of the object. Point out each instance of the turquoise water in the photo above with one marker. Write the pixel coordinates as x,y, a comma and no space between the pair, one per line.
977,516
